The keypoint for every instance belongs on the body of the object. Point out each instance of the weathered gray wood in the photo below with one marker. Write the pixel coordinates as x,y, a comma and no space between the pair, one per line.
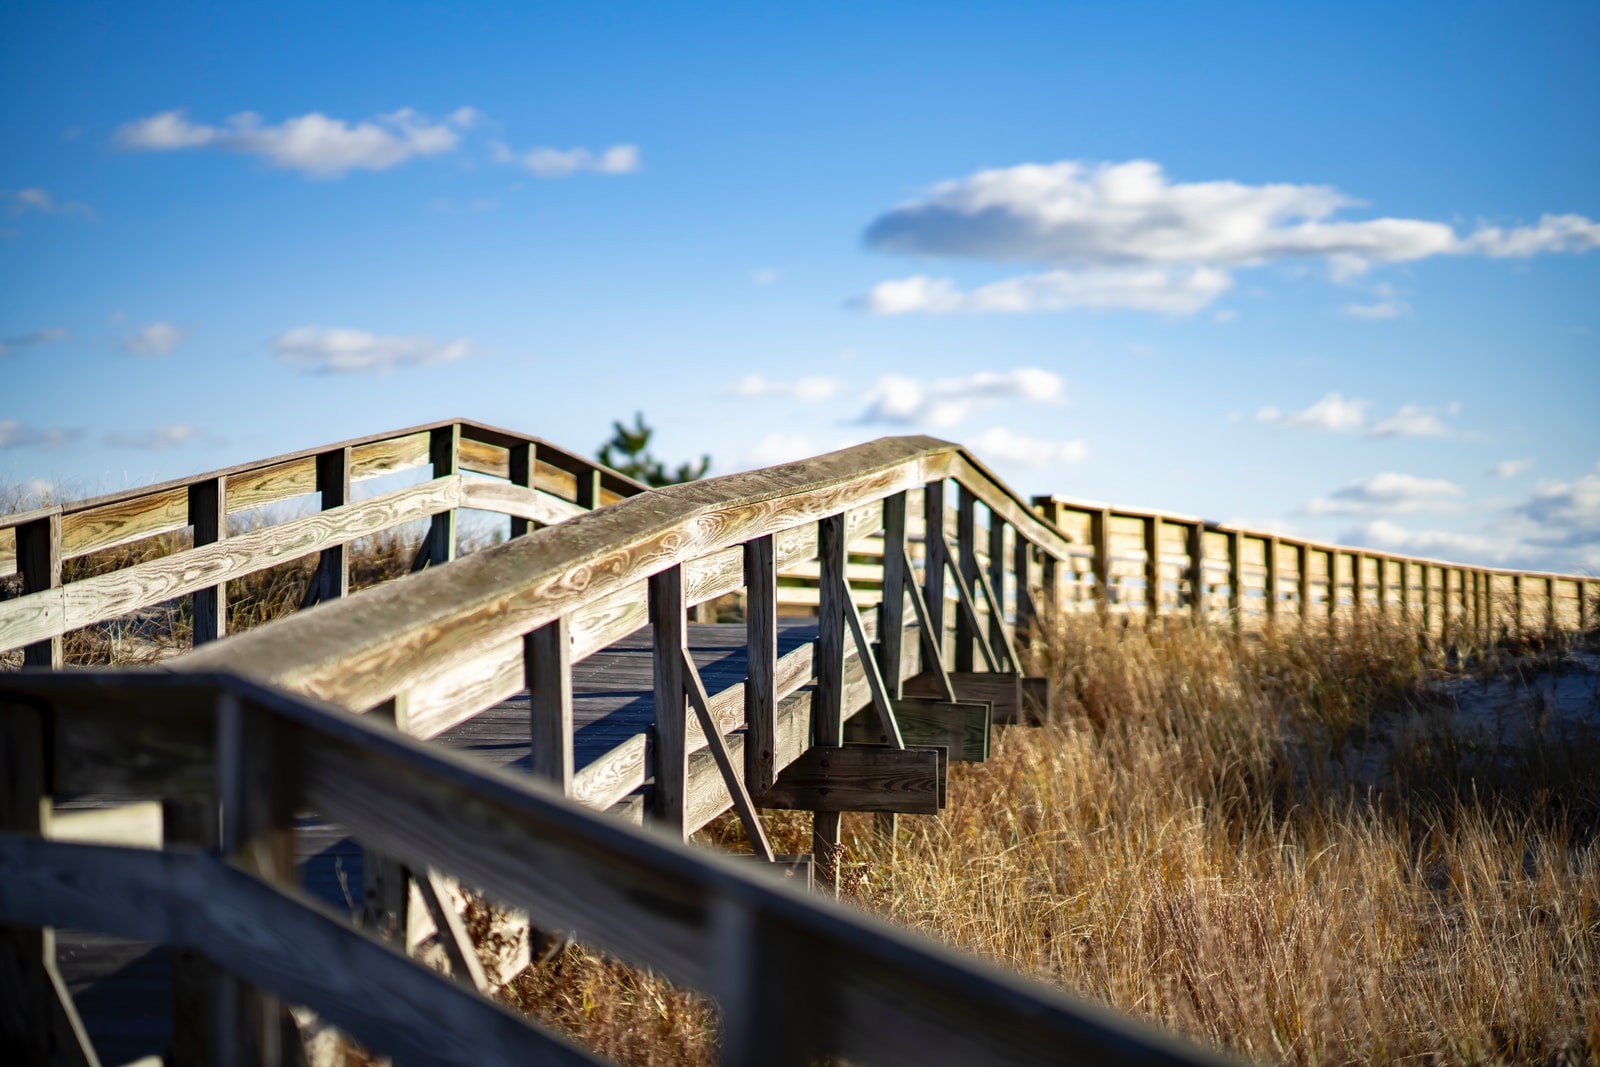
1035,710
1030,622
332,579
195,978
993,494
896,577
761,659
1236,578
453,934
208,514
444,454
965,558
995,588
1100,536
859,778
275,940
53,611
1001,691
524,505
1195,534
696,691
962,728
39,563
522,460
881,706
997,625
934,562
1152,567
669,755
548,667
969,611
1303,581
932,655
827,705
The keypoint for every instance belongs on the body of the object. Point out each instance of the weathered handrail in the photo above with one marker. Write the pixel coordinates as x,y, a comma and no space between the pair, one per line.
1136,559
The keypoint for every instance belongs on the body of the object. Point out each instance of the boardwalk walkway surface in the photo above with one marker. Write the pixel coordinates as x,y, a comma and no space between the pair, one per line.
293,810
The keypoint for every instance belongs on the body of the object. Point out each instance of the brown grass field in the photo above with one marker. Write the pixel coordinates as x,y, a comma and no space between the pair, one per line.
1296,846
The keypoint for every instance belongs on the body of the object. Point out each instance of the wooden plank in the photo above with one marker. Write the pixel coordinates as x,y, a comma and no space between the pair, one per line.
136,825
332,579
53,612
1194,537
548,667
390,456
966,562
522,460
994,495
111,525
994,583
934,565
1100,535
858,778
1035,710
669,729
695,689
827,704
193,823
481,457
274,939
39,563
521,503
208,515
274,483
1152,566
1001,691
761,658
444,453
962,728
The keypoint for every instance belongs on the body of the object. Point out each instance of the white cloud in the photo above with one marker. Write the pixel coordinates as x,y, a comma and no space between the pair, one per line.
313,144
1176,291
48,336
899,400
766,276
1410,421
14,434
809,390
1566,513
327,350
162,437
1003,446
1085,219
1336,413
1387,494
36,199
1382,309
565,162
1446,544
1510,468
156,339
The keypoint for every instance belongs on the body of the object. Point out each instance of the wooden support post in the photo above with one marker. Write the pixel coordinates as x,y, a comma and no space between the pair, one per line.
1152,568
933,567
257,788
332,579
1552,619
1100,538
1274,577
1383,585
1445,591
208,515
547,665
1405,590
195,979
444,452
891,625
1425,577
761,637
875,778
1029,621
1490,637
39,562
1236,578
1516,607
588,488
827,702
1333,586
521,467
1197,570
385,883
669,733
999,636
1303,577
966,547
695,690
1583,606
1358,580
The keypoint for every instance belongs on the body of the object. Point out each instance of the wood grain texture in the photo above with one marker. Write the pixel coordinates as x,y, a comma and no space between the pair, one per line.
1002,692
122,522
761,658
669,749
520,502
960,728
859,778
39,565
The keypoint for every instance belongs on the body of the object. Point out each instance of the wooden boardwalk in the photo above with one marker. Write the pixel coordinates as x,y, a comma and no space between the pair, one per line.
123,988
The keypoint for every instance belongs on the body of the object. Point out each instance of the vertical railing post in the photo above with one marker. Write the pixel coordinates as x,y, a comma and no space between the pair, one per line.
1236,578
26,953
1028,620
39,562
1383,585
385,884
1303,577
1358,578
257,792
208,515
1100,543
997,582
1446,588
1551,617
444,452
1405,591
934,563
1490,637
332,579
1332,555
1274,577
761,639
1517,615
547,667
1425,574
1152,568
827,702
195,979
669,733
967,549
522,462
1197,570
891,628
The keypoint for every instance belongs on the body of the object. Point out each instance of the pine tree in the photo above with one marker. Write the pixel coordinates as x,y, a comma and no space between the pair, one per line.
628,453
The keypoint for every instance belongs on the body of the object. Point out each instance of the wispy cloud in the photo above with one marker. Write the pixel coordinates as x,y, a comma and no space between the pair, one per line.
899,400
42,201
804,389
565,162
154,339
161,438
15,434
1510,468
1336,413
766,275
326,350
313,144
1387,494
49,336
1114,234
1005,446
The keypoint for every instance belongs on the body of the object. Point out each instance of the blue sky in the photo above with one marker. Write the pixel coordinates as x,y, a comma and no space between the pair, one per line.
1327,269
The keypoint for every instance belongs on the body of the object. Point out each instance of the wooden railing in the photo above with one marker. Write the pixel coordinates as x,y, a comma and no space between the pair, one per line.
531,480
1145,562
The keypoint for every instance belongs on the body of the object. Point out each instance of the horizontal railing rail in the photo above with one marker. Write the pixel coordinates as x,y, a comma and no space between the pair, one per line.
1136,560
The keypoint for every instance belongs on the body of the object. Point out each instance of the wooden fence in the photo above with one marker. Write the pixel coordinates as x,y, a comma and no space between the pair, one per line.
916,654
